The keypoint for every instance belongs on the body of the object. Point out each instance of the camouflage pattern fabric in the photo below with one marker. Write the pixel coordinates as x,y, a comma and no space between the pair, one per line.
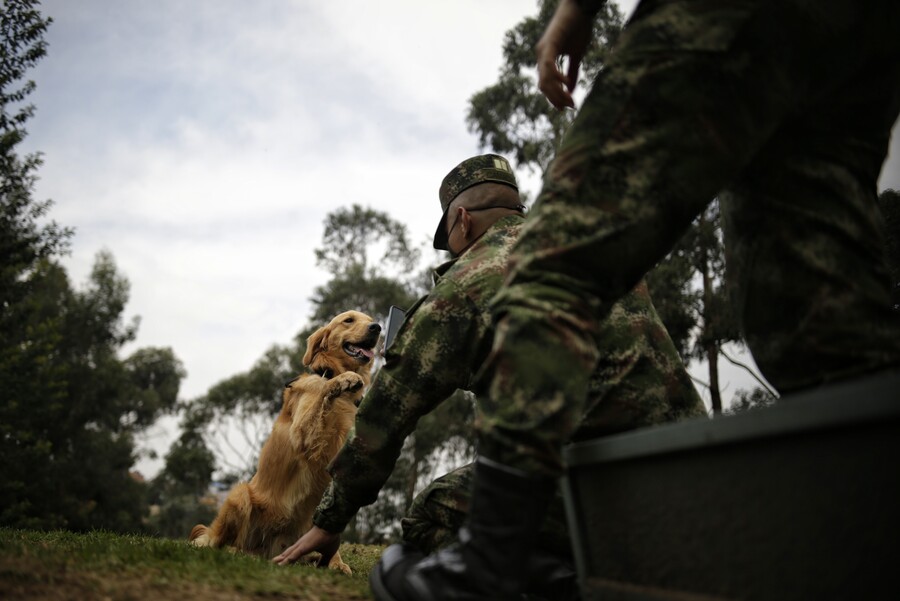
782,108
444,341
439,511
474,171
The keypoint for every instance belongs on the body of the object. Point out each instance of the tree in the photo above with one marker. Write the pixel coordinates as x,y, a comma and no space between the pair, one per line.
676,298
69,437
27,329
512,117
715,321
178,494
108,402
746,400
24,241
351,234
358,281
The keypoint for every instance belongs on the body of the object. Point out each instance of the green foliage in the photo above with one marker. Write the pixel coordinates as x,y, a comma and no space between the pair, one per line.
72,408
173,516
156,375
706,250
350,234
27,240
178,494
746,400
357,280
101,565
688,290
351,289
22,45
189,467
674,296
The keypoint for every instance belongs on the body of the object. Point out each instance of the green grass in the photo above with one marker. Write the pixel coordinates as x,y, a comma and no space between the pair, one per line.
105,566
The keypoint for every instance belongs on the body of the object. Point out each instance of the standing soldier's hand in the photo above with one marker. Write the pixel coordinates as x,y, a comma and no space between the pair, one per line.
568,34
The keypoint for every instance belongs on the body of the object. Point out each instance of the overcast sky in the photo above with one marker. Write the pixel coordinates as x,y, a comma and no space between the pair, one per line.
203,143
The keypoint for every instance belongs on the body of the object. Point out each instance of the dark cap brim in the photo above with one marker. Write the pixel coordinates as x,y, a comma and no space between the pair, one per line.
440,235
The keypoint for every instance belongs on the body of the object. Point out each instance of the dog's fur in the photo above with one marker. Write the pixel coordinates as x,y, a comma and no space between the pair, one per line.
270,512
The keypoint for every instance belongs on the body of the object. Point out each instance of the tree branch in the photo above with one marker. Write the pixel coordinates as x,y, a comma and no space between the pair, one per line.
221,456
699,381
749,371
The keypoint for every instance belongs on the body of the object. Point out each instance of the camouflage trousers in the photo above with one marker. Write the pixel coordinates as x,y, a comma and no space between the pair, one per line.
439,511
781,108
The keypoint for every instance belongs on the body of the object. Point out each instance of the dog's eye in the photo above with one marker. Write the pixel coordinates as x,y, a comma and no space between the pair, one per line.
348,320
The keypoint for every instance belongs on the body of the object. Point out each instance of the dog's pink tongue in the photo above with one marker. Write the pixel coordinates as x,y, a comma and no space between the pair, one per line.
367,352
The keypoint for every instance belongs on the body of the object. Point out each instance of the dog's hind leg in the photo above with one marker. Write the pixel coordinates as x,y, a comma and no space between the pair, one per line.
230,527
199,536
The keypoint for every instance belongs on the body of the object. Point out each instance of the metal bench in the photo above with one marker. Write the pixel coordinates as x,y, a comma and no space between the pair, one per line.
796,501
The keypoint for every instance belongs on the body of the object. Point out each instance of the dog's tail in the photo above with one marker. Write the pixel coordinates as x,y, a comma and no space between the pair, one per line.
199,536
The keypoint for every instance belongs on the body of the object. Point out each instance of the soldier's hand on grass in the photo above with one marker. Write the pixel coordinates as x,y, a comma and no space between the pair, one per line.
568,34
315,539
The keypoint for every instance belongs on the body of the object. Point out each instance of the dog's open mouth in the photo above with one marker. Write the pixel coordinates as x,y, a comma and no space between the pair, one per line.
360,352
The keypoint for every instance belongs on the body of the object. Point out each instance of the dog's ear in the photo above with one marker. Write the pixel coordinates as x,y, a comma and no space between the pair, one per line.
316,342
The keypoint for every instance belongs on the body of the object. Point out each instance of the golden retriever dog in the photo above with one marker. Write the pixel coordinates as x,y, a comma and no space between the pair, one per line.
267,514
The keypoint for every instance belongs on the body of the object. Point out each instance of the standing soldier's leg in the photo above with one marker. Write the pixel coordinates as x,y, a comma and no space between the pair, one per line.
804,238
677,114
671,122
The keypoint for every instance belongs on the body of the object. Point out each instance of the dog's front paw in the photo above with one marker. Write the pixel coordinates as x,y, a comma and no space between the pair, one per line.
337,563
343,383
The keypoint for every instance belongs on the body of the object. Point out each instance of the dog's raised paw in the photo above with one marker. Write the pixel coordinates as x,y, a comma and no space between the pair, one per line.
345,382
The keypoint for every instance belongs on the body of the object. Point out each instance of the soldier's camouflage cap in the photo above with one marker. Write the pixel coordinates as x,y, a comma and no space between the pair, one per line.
473,171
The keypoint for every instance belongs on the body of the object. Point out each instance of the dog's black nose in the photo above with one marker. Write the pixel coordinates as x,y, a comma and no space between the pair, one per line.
374,327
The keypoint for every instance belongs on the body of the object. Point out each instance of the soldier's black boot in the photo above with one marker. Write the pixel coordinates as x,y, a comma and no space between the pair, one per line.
491,559
551,578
